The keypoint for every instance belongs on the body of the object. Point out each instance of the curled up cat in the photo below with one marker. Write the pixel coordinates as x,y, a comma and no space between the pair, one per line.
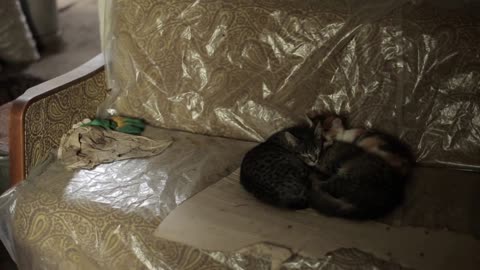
350,173
361,174
278,170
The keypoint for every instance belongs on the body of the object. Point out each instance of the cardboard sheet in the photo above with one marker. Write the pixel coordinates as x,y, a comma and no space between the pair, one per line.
224,217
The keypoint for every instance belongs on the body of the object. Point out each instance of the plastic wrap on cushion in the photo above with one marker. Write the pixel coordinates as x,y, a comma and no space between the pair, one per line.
245,69
16,41
105,218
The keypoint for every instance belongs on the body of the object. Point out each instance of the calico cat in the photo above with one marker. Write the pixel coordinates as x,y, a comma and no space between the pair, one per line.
277,170
361,174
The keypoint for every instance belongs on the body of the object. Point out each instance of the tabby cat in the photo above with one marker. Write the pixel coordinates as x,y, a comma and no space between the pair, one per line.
361,174
277,170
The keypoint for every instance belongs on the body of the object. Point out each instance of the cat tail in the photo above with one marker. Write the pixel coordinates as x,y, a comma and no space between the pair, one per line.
328,205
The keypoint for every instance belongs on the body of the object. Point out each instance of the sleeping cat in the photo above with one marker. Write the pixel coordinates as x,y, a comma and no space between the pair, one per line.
277,170
361,174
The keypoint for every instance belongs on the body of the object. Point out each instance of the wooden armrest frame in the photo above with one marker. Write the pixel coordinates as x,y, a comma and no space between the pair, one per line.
44,112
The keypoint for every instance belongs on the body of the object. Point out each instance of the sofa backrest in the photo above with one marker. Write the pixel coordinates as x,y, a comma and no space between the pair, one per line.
247,68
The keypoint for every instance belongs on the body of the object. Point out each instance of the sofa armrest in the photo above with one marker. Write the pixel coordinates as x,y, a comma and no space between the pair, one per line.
45,112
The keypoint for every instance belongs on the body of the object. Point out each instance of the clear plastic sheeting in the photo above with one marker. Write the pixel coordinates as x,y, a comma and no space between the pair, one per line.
16,41
342,259
245,69
105,218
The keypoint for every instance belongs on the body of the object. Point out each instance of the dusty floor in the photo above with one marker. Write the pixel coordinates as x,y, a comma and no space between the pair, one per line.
80,34
79,26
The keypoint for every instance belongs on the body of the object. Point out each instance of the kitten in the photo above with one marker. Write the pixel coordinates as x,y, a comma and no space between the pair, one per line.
277,170
361,174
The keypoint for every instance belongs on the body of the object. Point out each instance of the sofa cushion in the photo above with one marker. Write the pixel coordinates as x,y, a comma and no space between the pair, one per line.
245,69
104,218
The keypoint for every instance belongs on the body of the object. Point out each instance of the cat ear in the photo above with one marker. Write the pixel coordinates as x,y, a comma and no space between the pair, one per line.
290,139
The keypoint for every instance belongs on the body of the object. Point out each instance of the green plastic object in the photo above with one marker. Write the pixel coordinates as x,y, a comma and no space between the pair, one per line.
127,125
105,123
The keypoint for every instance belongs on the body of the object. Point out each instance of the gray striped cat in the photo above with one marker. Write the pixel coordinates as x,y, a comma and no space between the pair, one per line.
277,171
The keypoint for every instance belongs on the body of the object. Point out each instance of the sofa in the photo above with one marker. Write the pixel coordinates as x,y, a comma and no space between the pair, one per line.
220,76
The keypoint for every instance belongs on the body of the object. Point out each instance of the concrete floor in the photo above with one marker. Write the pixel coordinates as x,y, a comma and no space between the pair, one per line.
79,26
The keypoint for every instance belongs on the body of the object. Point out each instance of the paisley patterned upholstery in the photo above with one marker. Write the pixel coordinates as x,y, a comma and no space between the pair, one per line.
89,219
247,68
49,118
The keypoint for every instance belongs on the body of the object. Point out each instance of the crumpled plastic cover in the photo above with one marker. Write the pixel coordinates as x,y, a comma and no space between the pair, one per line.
16,41
105,218
245,69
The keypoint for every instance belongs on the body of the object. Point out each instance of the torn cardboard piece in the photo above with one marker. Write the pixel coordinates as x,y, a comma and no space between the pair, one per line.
277,255
224,217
